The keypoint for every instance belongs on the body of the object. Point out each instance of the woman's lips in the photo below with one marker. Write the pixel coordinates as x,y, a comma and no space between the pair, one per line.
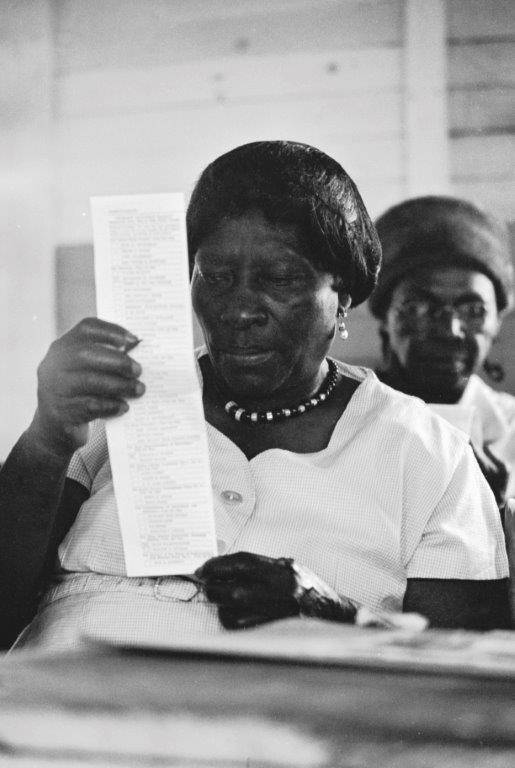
247,356
445,363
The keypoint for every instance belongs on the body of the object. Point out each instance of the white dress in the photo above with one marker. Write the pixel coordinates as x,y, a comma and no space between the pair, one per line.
495,412
395,494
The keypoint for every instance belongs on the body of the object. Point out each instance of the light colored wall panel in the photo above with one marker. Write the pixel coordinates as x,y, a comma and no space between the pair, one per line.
23,48
483,157
425,98
166,150
476,109
159,32
75,285
374,158
495,196
222,125
481,65
480,19
95,163
231,79
26,204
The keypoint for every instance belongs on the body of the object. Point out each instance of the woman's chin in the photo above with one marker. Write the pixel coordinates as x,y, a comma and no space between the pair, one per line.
249,377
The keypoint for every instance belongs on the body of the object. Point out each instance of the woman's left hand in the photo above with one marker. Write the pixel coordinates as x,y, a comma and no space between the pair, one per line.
252,589
249,589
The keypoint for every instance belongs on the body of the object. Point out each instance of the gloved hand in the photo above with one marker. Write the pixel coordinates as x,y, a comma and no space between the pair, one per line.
252,589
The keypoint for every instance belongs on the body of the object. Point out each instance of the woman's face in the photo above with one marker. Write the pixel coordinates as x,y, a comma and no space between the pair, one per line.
439,327
268,315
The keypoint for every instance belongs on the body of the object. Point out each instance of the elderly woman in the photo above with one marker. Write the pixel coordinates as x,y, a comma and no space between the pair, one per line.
445,286
328,468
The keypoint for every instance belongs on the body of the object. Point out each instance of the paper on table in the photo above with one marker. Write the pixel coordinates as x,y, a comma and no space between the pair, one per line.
158,450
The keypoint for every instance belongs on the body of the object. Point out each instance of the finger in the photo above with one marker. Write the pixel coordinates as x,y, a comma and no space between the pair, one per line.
99,357
95,330
81,410
94,384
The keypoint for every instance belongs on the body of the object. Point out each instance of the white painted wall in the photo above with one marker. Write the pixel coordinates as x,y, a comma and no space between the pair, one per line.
27,217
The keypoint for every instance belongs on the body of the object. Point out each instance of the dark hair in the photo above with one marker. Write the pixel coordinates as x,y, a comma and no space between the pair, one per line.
440,231
292,183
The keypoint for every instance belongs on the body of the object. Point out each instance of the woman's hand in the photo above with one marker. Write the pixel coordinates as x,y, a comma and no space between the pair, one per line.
252,589
85,375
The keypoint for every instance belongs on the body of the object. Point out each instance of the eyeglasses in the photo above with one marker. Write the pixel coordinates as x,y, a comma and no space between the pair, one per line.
471,314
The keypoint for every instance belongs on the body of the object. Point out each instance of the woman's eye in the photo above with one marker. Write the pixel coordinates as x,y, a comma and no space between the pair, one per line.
474,310
284,279
220,279
412,308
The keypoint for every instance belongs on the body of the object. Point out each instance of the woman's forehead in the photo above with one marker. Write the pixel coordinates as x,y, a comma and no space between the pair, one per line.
253,234
447,283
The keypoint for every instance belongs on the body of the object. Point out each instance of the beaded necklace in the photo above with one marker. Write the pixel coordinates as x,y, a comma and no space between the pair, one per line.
278,414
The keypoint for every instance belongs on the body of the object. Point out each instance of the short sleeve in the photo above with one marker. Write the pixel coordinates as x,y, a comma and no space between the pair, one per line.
463,537
87,461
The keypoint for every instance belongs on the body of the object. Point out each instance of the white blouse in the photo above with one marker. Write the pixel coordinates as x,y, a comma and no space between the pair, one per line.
396,494
495,414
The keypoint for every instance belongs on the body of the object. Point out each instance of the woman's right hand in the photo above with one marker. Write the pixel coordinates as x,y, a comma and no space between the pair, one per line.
85,375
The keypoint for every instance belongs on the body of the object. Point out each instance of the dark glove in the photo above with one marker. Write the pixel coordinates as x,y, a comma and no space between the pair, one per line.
253,589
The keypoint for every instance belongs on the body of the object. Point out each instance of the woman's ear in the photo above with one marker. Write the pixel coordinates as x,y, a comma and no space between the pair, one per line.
344,300
344,297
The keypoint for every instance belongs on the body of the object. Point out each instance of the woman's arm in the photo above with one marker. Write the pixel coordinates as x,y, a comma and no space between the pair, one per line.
37,507
460,604
86,374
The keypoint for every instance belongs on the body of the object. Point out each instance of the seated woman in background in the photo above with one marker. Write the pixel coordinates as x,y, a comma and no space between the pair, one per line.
445,286
327,467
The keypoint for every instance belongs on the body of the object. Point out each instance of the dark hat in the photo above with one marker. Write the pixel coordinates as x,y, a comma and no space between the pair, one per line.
431,231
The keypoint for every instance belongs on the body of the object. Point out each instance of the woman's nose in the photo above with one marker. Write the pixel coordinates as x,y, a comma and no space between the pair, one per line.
244,308
449,324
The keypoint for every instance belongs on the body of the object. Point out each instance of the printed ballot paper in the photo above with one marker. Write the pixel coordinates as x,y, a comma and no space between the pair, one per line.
158,450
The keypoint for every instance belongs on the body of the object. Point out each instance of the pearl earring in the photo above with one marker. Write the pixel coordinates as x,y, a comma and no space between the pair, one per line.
342,329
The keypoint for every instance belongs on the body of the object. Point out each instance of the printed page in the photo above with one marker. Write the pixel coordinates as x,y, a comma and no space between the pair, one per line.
158,450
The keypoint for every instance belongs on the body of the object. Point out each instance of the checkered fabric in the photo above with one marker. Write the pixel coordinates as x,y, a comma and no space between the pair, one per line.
395,494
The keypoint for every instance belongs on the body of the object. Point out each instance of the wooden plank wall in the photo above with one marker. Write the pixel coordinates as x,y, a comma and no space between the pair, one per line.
148,93
481,72
481,55
26,208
